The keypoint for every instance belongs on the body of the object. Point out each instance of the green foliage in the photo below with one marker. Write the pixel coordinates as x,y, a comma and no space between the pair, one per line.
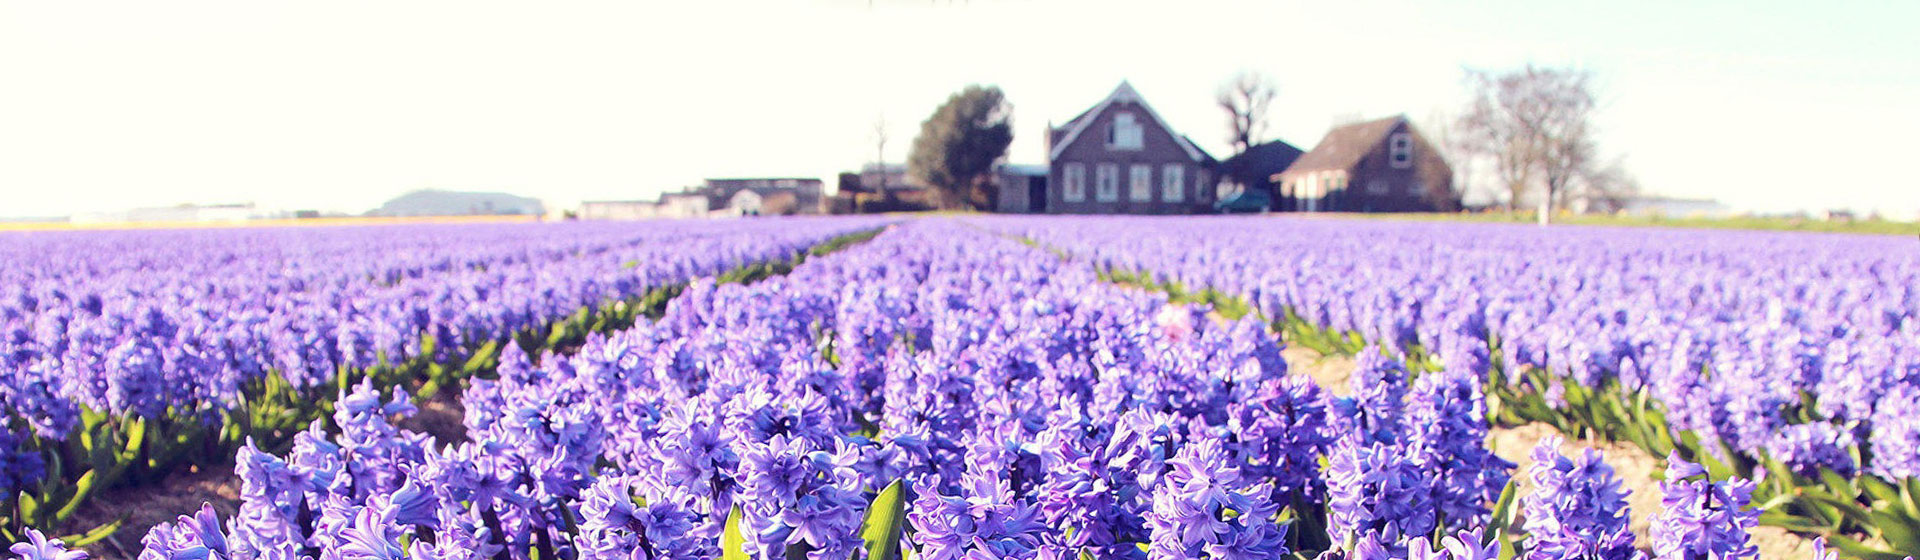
732,545
886,521
959,144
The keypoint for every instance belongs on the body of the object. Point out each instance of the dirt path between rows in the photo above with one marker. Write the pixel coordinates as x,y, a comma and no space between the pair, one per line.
1632,464
182,494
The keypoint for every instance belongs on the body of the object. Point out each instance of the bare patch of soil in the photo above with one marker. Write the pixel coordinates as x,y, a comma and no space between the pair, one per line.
1636,469
179,494
1331,372
1633,465
182,493
440,417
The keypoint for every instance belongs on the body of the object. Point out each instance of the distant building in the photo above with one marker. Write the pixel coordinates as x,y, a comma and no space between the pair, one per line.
1254,168
1120,157
768,196
431,202
671,205
1374,166
880,188
1670,207
203,213
889,176
1023,188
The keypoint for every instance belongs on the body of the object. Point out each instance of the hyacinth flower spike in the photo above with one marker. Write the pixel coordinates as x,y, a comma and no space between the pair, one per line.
39,547
1703,518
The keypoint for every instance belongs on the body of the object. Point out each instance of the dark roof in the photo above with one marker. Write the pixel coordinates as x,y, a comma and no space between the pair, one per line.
1261,161
1345,145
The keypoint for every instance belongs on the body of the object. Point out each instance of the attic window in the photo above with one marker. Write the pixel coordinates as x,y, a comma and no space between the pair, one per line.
1400,150
1125,133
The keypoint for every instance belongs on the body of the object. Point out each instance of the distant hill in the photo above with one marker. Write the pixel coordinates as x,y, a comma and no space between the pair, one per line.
431,202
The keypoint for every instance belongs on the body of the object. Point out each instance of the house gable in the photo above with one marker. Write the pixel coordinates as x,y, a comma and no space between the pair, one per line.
1353,169
1092,124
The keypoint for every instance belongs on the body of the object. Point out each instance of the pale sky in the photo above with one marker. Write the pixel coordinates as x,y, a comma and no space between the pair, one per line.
341,105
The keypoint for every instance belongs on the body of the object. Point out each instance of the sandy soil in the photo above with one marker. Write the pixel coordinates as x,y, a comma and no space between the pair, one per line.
1633,465
1331,372
1635,469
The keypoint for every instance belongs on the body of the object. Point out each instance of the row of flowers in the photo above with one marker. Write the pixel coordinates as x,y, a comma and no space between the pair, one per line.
947,392
126,354
1791,354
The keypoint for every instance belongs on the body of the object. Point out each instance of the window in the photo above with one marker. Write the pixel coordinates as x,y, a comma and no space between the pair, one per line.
1377,186
1125,133
1075,177
1173,183
1140,183
1400,150
1106,182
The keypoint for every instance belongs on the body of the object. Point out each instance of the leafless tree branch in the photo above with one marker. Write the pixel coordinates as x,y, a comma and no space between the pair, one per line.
1534,125
1245,98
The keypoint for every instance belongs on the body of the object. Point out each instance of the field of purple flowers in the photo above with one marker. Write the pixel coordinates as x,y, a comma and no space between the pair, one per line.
1796,357
130,354
988,388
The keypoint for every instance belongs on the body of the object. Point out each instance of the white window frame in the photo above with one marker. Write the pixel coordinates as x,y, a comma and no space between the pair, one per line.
1140,183
1173,183
1074,178
1126,133
1400,150
1106,182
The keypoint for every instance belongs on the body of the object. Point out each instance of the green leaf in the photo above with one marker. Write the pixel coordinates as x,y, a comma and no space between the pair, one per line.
1898,531
732,545
1843,506
136,437
1860,550
1837,485
29,507
1911,496
1508,550
1789,522
1880,489
82,489
1775,502
1503,509
886,519
94,535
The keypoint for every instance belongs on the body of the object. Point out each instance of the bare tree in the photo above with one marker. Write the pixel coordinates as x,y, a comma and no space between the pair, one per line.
1606,187
1535,126
1246,98
880,150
